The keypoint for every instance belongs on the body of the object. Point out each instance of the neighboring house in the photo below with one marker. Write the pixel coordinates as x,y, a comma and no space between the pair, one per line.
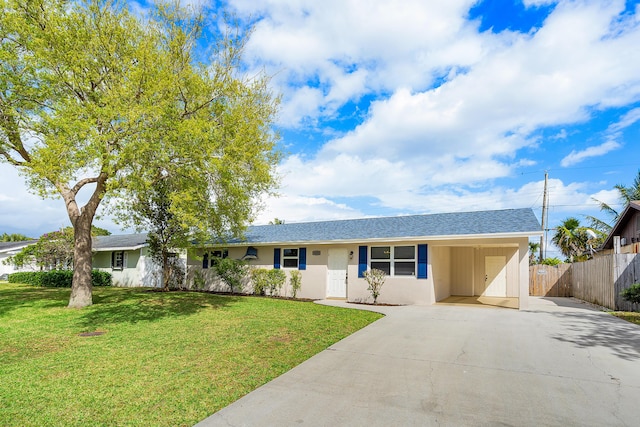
126,257
427,257
8,249
624,237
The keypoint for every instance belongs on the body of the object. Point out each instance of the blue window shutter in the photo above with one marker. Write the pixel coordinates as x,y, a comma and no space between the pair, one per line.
422,261
302,259
276,258
205,261
362,260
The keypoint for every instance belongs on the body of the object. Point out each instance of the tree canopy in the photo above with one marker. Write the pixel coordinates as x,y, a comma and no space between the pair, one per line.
96,99
575,241
13,237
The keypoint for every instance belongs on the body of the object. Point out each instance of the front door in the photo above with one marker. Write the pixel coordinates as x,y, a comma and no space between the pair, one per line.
495,270
337,273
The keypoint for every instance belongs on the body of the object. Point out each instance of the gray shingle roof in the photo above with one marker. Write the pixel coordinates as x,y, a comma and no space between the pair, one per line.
9,246
500,222
122,241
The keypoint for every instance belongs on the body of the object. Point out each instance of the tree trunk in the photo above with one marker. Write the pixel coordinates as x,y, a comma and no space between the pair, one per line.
166,270
81,290
81,219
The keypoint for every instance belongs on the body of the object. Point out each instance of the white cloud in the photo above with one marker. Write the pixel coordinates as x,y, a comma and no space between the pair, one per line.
440,148
628,119
300,209
469,130
349,48
594,151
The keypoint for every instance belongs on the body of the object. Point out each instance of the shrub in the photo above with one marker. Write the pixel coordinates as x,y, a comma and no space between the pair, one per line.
275,280
26,277
295,280
101,278
632,293
259,280
551,261
232,272
198,280
375,278
57,278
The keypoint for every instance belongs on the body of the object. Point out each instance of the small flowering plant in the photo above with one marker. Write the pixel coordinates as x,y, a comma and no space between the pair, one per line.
375,278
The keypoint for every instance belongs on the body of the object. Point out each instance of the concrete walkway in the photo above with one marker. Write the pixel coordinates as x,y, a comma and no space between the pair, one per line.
560,363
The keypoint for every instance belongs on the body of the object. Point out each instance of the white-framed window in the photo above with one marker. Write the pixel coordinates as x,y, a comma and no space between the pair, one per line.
290,257
211,257
118,260
394,260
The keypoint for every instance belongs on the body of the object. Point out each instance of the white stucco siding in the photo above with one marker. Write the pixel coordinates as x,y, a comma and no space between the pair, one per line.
523,297
462,271
453,268
139,270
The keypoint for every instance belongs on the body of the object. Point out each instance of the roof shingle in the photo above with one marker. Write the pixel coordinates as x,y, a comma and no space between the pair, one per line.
509,221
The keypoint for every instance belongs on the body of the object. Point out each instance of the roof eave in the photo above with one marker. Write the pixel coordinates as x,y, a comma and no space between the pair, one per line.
622,219
119,248
516,235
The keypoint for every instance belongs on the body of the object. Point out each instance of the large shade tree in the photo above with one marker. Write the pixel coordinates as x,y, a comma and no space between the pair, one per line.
96,103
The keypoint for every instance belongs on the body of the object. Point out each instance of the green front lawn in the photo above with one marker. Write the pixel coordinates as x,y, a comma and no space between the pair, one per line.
165,359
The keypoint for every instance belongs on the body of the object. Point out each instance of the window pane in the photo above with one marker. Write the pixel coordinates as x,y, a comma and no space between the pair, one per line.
290,252
404,252
405,268
384,266
290,263
381,252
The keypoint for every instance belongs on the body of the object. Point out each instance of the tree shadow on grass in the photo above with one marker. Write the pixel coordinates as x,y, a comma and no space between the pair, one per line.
139,305
113,305
13,298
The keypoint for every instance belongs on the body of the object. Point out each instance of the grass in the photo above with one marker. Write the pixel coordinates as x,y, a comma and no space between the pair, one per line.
629,316
165,359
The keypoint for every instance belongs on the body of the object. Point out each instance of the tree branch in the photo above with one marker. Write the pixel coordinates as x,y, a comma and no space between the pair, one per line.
82,183
10,159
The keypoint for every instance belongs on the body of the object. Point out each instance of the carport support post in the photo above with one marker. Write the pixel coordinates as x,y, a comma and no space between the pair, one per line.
523,295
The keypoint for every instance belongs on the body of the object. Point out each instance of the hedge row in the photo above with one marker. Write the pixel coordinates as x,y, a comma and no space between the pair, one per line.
57,278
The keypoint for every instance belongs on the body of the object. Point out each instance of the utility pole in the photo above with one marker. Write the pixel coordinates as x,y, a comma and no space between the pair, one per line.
544,216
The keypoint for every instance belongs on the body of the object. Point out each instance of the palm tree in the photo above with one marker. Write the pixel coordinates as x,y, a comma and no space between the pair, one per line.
533,248
625,195
572,239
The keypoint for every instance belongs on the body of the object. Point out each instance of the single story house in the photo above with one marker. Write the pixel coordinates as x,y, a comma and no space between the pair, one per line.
427,258
624,237
126,257
9,249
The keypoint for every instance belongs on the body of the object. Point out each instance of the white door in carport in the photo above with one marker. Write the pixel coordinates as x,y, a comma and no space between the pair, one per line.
495,270
337,273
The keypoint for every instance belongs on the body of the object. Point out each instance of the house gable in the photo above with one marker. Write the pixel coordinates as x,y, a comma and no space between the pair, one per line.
627,227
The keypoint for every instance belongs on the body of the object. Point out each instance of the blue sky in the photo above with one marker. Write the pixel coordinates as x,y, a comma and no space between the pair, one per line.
393,108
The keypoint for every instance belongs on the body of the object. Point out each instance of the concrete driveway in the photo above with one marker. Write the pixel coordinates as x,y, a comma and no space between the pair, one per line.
559,363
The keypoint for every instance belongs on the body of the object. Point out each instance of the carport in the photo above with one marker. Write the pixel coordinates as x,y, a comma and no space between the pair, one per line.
490,272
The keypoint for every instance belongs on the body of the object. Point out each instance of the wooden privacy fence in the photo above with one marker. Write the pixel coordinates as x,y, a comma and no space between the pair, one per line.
550,281
598,281
593,281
